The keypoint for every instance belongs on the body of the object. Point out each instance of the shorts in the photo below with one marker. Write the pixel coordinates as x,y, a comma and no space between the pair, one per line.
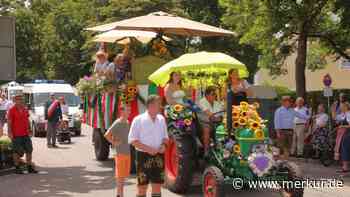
285,140
122,165
149,168
21,145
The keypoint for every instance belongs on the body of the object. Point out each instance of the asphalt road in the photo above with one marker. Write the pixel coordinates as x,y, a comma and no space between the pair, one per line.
72,171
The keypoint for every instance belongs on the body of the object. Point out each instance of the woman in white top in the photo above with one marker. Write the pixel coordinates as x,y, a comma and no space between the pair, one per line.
101,64
236,91
173,90
320,139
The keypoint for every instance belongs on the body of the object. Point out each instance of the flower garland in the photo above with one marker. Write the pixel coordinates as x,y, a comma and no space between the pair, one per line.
180,119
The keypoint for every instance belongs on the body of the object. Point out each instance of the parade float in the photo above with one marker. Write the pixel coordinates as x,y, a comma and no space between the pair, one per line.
245,152
102,97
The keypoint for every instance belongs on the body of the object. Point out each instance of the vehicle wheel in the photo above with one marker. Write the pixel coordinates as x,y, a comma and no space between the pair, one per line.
213,182
77,132
294,174
326,157
34,130
101,145
179,162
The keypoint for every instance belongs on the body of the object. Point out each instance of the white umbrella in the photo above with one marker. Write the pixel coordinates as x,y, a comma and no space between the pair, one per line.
161,22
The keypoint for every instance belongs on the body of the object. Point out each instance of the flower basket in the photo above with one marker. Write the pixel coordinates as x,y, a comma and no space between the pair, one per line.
6,160
93,85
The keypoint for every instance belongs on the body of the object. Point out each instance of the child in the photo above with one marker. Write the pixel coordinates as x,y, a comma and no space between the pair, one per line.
117,135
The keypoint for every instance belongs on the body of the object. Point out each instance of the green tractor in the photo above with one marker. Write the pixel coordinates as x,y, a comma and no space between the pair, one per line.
245,153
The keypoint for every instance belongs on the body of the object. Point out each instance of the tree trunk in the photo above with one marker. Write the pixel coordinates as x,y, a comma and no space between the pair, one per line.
300,64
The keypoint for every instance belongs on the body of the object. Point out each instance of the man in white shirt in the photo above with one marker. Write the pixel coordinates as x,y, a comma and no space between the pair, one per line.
148,134
299,128
209,107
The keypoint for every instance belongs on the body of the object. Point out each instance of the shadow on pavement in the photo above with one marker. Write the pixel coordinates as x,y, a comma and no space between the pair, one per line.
57,182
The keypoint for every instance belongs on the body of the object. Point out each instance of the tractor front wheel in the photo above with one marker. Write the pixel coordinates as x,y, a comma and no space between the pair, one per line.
294,174
213,182
179,162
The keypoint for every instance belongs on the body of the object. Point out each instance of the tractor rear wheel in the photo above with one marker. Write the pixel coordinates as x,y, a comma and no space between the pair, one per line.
101,145
179,160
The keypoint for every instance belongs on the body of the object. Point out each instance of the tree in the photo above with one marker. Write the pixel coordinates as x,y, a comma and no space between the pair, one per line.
210,12
278,28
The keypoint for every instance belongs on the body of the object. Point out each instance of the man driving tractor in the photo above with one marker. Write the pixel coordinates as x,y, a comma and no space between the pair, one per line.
209,105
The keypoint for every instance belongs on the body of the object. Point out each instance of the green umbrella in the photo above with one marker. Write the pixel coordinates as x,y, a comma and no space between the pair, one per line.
210,64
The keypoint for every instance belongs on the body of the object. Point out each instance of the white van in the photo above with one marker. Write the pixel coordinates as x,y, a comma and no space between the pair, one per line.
37,94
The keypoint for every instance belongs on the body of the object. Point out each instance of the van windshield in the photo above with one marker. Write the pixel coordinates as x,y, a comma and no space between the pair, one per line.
41,98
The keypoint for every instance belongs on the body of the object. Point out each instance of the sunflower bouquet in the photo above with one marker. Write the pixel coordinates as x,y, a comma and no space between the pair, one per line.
245,116
128,93
180,119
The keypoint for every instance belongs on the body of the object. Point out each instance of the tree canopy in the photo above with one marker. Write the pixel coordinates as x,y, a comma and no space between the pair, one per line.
313,29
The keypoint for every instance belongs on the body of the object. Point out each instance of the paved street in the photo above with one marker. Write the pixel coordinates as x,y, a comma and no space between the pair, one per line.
72,171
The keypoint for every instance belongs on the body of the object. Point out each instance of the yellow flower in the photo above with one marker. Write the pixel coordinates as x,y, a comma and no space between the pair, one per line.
236,108
259,134
187,122
178,108
254,125
244,114
242,121
132,90
244,104
236,149
235,115
235,124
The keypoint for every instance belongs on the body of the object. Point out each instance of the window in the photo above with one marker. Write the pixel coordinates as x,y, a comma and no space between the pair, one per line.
41,98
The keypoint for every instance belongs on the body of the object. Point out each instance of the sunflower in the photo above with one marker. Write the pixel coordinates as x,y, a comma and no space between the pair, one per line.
236,108
131,90
259,134
244,104
254,125
242,121
187,122
237,149
235,124
244,114
235,115
178,108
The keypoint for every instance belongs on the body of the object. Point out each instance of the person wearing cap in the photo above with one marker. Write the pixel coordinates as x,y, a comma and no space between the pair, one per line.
101,63
19,132
284,124
53,114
